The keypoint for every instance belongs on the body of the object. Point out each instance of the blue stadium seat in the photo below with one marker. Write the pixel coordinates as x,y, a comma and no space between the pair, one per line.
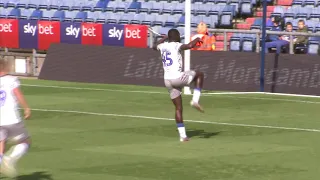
172,21
25,13
70,15
317,28
149,20
111,6
54,4
221,2
59,15
101,17
236,4
101,5
164,30
297,4
194,8
47,14
204,9
289,15
14,13
228,9
134,7
160,20
5,12
122,6
313,45
87,5
310,3
195,20
278,11
179,9
235,42
226,19
211,22
125,19
168,8
145,7
181,22
248,42
302,13
315,14
81,16
138,19
246,8
113,18
92,16
214,11
36,14
66,5
256,24
157,8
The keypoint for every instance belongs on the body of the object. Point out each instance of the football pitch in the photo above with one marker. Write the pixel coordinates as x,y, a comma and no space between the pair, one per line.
115,132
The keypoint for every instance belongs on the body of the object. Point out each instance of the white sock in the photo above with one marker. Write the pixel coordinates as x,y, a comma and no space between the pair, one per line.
182,130
196,95
1,158
19,150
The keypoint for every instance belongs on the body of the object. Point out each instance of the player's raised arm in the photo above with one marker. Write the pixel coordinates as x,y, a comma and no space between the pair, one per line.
191,44
155,45
22,101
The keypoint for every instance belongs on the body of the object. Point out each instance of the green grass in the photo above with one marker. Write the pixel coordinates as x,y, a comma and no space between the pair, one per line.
73,146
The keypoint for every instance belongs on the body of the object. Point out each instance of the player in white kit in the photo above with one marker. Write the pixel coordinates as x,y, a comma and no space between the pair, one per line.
174,76
11,124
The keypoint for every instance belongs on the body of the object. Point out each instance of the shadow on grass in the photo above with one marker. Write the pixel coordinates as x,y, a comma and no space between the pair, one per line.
35,176
201,133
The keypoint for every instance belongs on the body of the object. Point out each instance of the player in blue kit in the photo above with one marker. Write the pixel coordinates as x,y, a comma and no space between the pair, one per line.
174,76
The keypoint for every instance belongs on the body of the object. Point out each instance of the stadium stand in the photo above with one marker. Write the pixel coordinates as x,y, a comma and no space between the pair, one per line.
162,15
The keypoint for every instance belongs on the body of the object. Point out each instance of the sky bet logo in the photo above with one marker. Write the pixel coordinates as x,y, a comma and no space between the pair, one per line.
75,31
30,29
6,27
117,33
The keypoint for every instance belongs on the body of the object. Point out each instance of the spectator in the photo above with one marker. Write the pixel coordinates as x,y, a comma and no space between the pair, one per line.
270,22
275,27
275,41
286,38
300,43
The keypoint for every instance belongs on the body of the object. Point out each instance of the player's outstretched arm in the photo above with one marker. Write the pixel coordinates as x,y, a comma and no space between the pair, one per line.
155,45
190,45
22,101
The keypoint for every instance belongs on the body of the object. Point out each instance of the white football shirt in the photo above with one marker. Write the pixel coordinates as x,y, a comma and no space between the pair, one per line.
171,59
9,107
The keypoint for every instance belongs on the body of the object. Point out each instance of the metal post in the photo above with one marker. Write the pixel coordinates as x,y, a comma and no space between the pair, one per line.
34,62
258,42
187,33
225,41
291,44
263,55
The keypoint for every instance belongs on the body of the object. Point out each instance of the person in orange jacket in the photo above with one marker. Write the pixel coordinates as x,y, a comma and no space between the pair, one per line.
208,41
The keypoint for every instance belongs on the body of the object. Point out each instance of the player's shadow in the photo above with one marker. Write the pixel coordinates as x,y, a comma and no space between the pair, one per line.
201,133
35,176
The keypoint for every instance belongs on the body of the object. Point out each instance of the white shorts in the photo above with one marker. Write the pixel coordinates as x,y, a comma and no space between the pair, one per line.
175,85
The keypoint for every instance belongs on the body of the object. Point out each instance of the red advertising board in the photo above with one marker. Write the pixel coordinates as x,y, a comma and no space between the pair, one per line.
91,34
48,32
9,33
135,36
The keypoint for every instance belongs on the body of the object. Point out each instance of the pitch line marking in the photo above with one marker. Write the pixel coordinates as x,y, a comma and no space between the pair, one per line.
226,94
170,119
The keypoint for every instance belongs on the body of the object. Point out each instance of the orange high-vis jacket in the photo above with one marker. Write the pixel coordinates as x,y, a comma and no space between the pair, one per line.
208,43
